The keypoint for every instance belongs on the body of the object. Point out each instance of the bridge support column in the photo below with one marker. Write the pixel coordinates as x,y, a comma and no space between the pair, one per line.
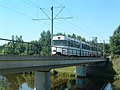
81,74
42,80
81,71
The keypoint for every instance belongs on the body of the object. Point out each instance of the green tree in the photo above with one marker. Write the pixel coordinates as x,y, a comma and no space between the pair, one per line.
106,48
69,35
45,41
80,38
77,37
117,30
63,34
20,47
8,48
73,36
34,48
115,42
14,47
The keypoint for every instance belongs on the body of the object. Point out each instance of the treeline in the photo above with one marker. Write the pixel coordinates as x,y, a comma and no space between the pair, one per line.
17,46
115,43
42,46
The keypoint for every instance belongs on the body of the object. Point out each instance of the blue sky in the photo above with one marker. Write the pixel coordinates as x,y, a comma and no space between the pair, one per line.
91,18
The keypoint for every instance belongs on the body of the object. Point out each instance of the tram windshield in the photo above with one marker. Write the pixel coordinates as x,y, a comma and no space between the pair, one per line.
60,42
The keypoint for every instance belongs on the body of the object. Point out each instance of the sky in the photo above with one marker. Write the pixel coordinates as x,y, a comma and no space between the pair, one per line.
90,18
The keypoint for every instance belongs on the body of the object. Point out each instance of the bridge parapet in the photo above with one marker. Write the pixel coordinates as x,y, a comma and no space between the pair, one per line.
33,63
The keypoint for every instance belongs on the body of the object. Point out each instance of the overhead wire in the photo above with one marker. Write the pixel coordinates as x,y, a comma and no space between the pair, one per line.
75,27
88,27
77,18
34,4
60,29
37,6
20,13
15,11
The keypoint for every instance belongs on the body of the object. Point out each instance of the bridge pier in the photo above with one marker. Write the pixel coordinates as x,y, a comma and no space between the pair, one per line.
81,74
42,80
81,71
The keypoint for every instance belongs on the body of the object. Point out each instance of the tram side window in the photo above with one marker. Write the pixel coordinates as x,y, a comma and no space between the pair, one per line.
88,47
73,44
99,49
70,43
85,46
93,48
60,42
76,45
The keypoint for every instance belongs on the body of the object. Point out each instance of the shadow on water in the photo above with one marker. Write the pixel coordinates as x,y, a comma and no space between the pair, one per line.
105,72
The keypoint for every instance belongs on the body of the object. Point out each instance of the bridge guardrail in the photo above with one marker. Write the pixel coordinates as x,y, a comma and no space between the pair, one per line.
19,48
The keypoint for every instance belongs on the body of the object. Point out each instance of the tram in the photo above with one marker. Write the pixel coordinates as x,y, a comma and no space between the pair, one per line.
63,45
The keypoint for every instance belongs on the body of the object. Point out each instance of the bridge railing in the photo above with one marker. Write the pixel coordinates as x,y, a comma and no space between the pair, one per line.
13,47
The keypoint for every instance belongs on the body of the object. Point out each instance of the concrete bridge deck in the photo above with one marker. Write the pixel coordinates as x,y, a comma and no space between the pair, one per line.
17,63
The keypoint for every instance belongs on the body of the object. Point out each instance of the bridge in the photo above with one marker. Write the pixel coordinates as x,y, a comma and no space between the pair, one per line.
9,63
13,63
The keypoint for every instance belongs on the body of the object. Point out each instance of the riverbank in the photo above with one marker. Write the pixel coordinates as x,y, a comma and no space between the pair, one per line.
116,67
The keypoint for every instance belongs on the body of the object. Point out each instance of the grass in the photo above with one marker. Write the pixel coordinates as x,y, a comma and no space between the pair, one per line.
116,65
116,85
64,72
66,69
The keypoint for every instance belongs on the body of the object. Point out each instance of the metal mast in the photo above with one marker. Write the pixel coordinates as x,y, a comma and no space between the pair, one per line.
52,19
52,25
103,48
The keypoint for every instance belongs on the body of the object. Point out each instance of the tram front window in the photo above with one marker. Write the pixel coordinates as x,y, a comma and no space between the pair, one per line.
60,42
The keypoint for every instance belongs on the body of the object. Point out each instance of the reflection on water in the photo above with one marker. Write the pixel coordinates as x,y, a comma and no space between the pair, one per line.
24,86
63,83
3,83
17,82
108,87
25,81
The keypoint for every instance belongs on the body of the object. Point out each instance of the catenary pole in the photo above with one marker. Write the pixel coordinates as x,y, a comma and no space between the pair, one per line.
52,25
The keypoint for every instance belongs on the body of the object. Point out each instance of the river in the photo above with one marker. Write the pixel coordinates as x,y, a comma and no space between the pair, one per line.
25,81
